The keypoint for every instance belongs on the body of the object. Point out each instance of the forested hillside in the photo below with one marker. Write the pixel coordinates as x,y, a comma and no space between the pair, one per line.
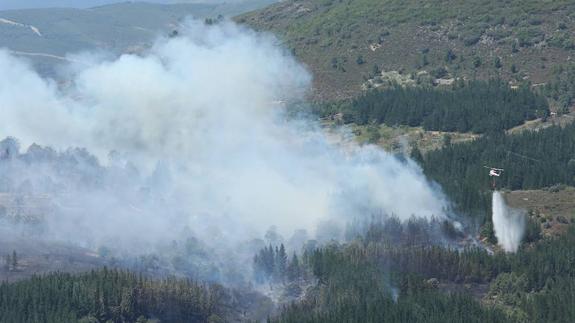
212,207
531,159
349,43
370,280
115,296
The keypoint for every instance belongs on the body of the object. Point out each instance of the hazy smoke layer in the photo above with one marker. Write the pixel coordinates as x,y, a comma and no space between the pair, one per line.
509,224
201,118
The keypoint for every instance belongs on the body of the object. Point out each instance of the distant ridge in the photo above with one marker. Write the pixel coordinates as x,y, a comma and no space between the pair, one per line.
46,36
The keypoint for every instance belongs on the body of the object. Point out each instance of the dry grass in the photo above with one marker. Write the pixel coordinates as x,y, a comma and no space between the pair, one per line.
402,138
537,124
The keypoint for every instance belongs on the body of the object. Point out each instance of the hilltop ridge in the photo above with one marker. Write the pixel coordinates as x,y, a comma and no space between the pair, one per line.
356,44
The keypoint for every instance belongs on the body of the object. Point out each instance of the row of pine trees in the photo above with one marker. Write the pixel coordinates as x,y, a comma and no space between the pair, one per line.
475,106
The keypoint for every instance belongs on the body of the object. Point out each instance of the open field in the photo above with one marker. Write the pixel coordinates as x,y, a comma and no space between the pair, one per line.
553,207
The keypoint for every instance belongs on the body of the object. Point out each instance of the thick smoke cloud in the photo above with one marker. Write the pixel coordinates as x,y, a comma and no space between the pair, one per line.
508,224
200,140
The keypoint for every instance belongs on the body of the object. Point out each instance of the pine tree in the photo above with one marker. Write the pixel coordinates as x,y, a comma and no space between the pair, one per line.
497,62
293,270
127,305
281,262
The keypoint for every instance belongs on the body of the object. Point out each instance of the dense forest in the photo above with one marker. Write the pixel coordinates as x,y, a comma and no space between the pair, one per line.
110,296
476,106
531,159
373,281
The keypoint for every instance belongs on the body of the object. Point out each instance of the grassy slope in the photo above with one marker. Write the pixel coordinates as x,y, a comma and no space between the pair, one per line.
553,208
398,139
330,36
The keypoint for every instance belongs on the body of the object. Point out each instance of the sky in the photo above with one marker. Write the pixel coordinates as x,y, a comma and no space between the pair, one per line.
27,4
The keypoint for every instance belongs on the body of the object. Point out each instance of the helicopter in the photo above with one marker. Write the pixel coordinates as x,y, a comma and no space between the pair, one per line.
497,172
494,172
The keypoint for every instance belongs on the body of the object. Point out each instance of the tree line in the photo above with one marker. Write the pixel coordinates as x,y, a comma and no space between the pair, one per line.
109,296
474,106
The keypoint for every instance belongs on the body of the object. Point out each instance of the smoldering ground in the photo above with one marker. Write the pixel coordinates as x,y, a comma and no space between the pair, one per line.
191,139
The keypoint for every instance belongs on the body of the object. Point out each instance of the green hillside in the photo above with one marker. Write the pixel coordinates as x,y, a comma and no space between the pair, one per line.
347,44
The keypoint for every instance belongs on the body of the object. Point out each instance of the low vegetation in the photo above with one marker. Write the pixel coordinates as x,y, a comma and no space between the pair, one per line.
346,43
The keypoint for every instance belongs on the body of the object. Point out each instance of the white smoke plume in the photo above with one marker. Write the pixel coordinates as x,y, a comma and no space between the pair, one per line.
200,140
508,224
